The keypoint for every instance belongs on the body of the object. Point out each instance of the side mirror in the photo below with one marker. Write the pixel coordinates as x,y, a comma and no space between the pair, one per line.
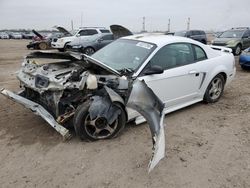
78,35
155,69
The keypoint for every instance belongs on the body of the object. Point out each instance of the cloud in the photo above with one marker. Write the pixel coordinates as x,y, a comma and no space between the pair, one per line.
43,14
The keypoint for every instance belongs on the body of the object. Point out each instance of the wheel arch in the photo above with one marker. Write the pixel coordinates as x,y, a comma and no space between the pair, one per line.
224,76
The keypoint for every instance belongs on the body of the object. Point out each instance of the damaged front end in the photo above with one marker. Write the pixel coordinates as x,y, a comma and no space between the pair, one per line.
77,89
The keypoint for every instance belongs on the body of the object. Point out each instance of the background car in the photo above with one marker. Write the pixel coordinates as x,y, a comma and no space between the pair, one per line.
15,35
28,35
4,35
237,39
197,35
43,41
244,59
84,32
91,44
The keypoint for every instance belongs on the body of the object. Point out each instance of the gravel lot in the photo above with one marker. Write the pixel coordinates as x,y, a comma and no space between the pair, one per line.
208,145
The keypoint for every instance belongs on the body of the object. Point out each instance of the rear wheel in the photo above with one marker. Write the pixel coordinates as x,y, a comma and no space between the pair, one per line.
215,89
97,128
43,46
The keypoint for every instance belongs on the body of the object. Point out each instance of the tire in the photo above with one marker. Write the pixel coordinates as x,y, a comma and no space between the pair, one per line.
65,47
204,42
43,46
86,131
60,49
237,50
215,89
245,68
88,51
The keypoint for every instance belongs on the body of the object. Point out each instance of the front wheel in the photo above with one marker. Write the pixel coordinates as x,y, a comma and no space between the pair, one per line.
215,89
88,51
237,50
97,128
244,68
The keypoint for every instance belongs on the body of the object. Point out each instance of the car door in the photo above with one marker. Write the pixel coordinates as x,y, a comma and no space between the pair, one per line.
246,39
104,40
181,79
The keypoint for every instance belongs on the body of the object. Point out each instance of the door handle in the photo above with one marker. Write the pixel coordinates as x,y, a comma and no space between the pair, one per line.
192,72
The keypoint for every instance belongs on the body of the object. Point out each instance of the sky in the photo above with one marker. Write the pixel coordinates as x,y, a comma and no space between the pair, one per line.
44,14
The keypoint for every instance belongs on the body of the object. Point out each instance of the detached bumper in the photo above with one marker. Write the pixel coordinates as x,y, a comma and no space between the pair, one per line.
38,110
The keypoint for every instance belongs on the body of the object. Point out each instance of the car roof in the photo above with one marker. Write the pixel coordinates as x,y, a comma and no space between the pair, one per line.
159,39
96,28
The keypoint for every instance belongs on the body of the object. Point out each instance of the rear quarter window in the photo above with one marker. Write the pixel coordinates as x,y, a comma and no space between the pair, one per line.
199,53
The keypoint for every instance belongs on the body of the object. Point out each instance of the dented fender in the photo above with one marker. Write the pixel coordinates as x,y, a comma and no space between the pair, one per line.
143,100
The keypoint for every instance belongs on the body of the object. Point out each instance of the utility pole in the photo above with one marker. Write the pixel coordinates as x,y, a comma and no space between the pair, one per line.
81,19
188,24
72,25
143,24
169,25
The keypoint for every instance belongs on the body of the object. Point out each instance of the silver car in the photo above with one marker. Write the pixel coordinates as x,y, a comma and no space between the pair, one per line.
4,35
91,44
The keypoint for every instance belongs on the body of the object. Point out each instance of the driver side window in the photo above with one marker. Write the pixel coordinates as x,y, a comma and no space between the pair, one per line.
173,55
246,34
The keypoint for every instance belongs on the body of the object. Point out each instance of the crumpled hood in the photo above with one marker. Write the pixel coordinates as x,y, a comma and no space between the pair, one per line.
63,30
73,56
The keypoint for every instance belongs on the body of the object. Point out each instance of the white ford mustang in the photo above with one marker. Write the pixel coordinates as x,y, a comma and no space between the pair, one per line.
147,74
179,70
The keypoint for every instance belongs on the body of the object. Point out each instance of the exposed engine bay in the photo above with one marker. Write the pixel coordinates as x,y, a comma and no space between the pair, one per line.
77,90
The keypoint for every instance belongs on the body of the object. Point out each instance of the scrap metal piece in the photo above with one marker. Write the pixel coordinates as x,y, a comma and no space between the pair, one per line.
54,55
144,100
38,110
114,97
103,107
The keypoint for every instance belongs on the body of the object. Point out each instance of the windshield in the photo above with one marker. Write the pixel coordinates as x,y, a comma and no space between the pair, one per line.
232,34
180,33
124,54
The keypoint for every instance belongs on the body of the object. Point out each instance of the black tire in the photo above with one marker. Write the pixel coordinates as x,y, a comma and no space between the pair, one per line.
43,46
88,51
245,68
214,93
237,50
87,131
65,47
60,49
204,42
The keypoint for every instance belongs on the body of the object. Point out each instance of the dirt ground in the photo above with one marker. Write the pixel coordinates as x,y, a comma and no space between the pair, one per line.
207,145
